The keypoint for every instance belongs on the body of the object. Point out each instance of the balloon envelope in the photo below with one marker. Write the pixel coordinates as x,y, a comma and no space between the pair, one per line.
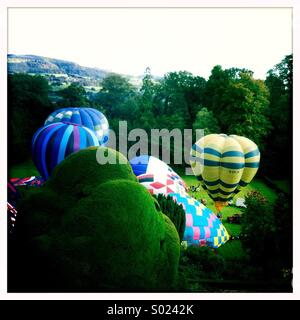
32,181
224,165
202,225
157,176
88,117
54,142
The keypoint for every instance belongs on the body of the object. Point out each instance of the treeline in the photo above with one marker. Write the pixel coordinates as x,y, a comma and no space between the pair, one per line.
231,101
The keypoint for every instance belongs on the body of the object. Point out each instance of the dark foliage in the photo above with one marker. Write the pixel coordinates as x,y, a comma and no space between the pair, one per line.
267,234
278,155
28,107
73,96
174,211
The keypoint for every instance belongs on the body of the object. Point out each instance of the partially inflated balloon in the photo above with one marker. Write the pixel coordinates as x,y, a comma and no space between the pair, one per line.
54,142
88,117
157,176
203,228
224,165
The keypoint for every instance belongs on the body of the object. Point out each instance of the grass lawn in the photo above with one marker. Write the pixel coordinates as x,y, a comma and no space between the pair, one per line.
23,170
256,184
232,228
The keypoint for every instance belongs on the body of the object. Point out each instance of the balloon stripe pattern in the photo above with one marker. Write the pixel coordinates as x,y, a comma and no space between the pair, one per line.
88,117
157,176
54,142
224,164
28,181
203,228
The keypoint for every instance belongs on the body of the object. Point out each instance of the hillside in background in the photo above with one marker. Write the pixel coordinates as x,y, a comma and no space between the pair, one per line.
61,73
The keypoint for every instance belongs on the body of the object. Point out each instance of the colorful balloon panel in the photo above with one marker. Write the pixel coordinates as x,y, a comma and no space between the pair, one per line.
54,142
202,225
88,117
157,176
224,164
28,181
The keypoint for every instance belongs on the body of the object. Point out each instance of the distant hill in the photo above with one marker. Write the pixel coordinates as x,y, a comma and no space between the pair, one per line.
61,73
36,64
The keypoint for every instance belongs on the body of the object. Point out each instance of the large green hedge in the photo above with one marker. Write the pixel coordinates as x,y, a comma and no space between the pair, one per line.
93,227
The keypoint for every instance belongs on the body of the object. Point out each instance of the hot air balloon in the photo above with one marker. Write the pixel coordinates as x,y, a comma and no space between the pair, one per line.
224,165
157,176
203,228
54,142
88,117
32,181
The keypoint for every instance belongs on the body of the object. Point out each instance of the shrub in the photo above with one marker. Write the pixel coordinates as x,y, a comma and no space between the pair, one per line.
93,228
259,232
198,264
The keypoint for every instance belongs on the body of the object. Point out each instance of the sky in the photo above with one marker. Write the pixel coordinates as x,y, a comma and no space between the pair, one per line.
129,40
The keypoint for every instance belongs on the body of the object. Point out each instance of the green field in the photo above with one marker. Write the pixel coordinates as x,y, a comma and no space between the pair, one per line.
256,184
25,169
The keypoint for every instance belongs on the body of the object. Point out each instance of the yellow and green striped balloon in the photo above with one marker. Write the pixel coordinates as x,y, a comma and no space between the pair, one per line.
224,165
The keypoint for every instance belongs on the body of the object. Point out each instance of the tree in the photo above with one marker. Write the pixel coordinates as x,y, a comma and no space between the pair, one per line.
206,120
284,72
73,96
115,91
28,107
146,117
180,93
148,85
216,86
239,102
279,153
247,112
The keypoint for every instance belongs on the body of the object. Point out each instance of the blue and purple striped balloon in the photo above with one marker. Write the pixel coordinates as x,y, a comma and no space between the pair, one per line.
54,142
88,117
